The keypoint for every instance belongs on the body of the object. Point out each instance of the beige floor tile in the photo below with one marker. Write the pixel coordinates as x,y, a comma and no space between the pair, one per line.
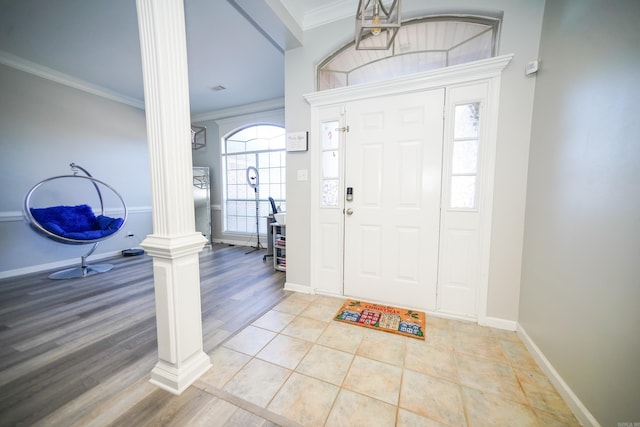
552,420
333,302
245,419
305,328
427,359
250,340
432,398
257,382
438,337
316,371
216,409
470,328
321,312
353,410
374,379
383,346
542,395
410,419
225,364
488,375
342,337
304,400
285,351
480,346
292,305
274,320
437,322
504,335
489,410
299,296
519,357
326,364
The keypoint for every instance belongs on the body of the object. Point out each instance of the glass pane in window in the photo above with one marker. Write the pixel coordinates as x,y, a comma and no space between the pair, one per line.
274,191
466,120
465,157
277,143
474,49
256,144
264,159
232,192
232,224
235,146
330,164
241,162
331,80
329,192
242,224
330,135
274,175
463,191
274,159
242,191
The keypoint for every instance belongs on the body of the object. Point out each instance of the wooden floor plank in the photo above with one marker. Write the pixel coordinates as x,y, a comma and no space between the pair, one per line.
67,346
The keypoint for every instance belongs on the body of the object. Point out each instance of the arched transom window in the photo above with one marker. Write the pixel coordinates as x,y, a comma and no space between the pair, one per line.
420,45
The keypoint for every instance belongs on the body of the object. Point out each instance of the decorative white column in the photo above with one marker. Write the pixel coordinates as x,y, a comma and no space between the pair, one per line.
174,244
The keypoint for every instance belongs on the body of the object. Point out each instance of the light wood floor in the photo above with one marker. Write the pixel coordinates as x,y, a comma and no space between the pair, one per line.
84,341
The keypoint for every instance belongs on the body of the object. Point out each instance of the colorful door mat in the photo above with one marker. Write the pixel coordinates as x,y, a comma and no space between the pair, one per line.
383,317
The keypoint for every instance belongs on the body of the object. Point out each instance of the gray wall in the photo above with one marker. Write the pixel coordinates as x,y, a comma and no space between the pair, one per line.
580,292
44,126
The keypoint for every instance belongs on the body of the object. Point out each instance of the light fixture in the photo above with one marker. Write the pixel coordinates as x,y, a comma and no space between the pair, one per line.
198,137
376,24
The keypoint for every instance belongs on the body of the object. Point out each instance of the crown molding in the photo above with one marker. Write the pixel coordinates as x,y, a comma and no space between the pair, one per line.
47,73
256,107
327,13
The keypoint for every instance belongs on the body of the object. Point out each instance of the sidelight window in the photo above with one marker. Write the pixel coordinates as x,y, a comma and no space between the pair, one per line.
464,158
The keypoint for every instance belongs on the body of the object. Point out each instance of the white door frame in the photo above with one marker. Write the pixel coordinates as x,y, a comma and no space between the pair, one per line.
487,70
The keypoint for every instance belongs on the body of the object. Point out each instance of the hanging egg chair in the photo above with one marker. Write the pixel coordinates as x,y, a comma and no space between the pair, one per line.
71,209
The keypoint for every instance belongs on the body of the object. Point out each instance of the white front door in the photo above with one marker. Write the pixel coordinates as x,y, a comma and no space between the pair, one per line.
391,225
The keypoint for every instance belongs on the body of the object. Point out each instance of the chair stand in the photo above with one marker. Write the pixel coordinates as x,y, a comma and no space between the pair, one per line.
84,269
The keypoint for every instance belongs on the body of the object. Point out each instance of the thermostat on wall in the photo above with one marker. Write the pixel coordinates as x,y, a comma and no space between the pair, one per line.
531,68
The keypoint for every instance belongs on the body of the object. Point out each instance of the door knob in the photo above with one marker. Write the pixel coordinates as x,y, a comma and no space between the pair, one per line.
349,211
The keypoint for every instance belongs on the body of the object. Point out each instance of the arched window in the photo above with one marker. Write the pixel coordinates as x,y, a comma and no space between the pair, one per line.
420,45
263,148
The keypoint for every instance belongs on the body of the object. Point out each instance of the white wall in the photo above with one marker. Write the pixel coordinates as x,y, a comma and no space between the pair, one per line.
44,126
520,35
581,272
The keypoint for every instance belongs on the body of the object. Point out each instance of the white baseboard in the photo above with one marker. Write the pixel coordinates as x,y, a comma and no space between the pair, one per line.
494,322
239,242
579,410
288,286
55,265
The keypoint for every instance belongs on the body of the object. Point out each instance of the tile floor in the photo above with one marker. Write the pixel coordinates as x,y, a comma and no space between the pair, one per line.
302,367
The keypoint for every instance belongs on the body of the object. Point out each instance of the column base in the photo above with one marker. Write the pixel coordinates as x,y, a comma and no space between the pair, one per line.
177,379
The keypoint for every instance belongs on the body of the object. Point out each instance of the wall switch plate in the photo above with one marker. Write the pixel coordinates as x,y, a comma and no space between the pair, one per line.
303,175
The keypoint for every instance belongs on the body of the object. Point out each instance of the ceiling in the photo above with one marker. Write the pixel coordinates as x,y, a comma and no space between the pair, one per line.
238,44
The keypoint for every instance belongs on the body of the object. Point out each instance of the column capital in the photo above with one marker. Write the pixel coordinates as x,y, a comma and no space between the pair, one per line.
171,247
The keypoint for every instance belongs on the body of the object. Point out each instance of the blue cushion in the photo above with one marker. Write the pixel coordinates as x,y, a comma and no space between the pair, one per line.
76,222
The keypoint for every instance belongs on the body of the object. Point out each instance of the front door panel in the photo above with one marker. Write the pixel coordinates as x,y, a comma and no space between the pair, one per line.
394,165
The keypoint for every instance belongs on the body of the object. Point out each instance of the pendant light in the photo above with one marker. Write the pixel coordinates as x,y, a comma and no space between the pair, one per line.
376,24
